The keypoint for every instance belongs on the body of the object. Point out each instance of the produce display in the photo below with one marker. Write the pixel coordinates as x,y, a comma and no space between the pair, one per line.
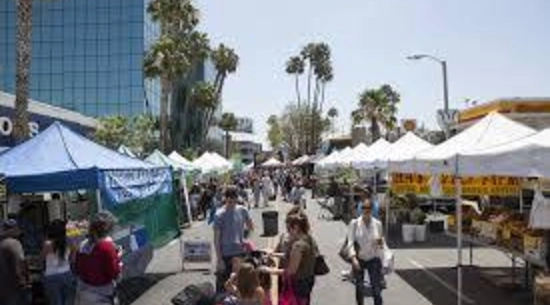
502,227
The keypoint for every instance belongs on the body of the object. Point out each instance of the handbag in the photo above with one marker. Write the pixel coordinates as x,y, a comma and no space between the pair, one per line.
344,250
321,266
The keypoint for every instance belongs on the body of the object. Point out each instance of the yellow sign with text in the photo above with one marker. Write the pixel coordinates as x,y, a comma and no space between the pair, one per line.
402,183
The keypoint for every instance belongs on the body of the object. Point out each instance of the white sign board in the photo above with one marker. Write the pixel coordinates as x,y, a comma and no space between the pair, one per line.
444,120
198,251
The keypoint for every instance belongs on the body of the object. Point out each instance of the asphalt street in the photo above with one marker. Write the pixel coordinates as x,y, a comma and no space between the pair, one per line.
424,272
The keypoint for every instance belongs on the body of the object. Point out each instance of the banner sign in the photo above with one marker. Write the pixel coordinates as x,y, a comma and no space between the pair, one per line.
198,251
120,186
487,185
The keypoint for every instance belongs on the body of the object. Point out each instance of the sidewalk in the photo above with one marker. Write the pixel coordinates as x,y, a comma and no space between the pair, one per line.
423,276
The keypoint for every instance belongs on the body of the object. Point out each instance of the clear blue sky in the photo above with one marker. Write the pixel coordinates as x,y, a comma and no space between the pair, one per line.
494,48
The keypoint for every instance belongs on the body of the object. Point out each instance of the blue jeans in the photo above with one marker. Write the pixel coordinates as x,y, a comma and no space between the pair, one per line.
60,288
374,268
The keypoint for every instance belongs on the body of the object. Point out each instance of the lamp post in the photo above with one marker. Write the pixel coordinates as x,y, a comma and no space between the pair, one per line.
443,64
458,184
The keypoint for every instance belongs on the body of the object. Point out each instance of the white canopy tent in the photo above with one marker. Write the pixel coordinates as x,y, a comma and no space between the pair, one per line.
186,164
211,162
377,151
403,149
336,160
301,160
494,129
123,149
323,163
158,158
526,157
272,163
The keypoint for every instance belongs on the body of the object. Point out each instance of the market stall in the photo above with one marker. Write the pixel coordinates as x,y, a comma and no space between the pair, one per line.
136,192
492,131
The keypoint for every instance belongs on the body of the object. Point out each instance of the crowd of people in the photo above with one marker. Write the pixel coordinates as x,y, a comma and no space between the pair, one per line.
83,274
87,273
241,278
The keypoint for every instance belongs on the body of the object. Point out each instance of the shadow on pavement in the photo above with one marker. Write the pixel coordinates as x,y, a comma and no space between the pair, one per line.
438,286
131,289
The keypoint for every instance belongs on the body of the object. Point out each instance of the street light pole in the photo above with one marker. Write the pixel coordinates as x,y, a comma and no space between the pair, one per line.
443,64
445,88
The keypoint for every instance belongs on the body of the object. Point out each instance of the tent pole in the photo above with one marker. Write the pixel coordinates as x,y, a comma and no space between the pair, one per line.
98,199
183,181
458,194
521,199
388,200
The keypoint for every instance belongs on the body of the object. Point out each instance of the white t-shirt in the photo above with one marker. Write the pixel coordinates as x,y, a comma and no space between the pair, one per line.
366,237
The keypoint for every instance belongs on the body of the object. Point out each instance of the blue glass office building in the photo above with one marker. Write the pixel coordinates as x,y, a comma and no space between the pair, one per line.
87,55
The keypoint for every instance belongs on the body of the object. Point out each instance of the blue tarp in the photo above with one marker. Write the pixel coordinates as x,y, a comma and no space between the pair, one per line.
59,159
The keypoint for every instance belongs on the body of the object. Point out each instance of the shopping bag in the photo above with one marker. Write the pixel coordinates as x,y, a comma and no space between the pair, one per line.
388,260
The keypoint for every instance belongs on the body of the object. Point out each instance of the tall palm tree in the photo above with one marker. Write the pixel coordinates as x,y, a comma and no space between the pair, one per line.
378,107
226,62
296,66
179,48
204,96
228,123
23,62
167,60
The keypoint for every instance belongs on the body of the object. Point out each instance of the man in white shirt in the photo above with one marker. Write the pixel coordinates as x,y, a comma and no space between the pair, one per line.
365,246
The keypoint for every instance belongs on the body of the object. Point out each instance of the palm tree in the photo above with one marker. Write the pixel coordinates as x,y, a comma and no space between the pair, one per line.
332,114
378,107
166,60
296,66
179,48
225,61
203,95
24,44
228,123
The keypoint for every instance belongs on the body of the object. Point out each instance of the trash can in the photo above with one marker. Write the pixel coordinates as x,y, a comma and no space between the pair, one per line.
271,223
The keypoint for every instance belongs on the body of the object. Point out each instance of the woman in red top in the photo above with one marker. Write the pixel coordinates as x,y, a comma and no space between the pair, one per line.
98,263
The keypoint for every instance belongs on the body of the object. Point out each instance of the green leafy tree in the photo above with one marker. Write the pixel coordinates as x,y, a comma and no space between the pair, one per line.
377,107
274,133
143,139
113,131
291,132
228,123
172,57
23,66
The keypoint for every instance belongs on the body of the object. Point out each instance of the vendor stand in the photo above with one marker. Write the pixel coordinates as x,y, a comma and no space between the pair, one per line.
137,193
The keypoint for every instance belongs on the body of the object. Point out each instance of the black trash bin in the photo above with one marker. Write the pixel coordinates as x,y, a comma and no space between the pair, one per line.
271,223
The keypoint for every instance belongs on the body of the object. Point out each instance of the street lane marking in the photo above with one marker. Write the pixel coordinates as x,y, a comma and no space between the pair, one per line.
440,281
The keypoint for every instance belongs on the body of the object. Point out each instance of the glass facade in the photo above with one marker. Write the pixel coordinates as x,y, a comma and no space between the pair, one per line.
87,55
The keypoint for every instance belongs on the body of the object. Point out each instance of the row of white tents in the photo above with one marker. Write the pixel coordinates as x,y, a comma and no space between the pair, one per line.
494,146
377,156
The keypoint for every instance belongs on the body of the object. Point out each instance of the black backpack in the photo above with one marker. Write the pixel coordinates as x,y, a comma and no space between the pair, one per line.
200,294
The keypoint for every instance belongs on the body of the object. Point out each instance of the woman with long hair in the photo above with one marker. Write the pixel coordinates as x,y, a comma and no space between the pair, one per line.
299,272
244,287
58,278
98,263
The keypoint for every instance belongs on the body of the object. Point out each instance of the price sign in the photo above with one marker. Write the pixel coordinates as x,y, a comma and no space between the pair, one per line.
197,251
